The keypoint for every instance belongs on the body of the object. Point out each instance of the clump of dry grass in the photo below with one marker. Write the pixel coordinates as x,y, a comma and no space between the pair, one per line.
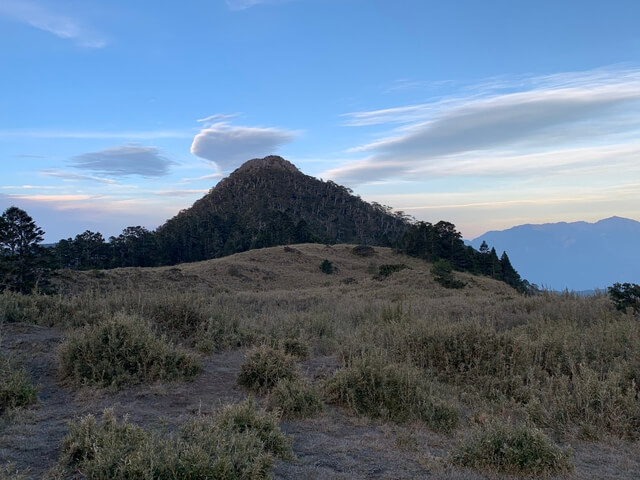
238,443
517,450
371,385
122,350
16,389
295,398
264,367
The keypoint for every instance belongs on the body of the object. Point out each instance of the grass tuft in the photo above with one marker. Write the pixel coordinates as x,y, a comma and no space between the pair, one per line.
264,367
295,399
516,450
121,351
239,443
372,386
16,389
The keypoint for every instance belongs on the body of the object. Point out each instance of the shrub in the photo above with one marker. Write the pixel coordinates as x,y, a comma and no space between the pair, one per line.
247,417
123,350
517,450
363,251
16,389
442,272
326,267
295,399
238,443
387,269
264,367
372,386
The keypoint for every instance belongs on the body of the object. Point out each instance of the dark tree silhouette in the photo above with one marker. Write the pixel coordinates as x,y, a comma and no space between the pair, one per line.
21,257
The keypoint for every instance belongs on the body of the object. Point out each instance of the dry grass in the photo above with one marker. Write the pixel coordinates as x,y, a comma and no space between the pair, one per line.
240,442
16,389
564,364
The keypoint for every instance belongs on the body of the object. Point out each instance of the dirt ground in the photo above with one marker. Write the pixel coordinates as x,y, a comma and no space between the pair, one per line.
334,445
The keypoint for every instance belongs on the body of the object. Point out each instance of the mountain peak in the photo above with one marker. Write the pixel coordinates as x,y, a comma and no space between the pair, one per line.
273,162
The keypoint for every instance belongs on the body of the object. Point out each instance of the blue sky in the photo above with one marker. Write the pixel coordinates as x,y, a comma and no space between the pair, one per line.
487,114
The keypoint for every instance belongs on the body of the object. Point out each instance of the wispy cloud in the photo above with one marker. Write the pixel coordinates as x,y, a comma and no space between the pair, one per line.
210,176
433,137
218,117
228,146
75,176
63,26
124,160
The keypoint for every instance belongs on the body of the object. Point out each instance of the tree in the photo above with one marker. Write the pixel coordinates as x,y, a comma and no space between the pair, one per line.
625,295
509,274
21,256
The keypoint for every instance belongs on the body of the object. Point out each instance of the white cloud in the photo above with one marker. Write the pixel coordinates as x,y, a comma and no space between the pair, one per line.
124,160
556,112
62,26
229,146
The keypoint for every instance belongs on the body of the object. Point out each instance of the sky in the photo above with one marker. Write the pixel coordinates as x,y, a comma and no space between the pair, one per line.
487,114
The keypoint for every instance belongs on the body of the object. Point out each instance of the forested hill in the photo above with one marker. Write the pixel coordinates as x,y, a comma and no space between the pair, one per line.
268,202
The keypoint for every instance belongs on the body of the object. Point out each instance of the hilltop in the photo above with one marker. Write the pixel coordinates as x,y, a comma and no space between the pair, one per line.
268,202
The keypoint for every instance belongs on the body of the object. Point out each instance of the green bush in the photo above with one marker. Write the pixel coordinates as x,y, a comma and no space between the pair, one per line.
295,399
387,269
442,272
16,389
238,443
326,267
123,350
516,450
372,386
264,367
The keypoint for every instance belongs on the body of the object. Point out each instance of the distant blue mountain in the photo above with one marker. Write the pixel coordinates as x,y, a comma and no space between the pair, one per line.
577,256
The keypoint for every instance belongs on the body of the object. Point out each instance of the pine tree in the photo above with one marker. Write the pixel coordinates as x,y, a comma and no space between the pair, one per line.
21,256
509,274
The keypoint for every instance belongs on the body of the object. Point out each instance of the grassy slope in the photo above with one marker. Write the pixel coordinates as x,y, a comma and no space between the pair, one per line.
487,335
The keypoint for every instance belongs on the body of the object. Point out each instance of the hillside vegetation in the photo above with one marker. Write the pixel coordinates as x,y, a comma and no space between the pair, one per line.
466,382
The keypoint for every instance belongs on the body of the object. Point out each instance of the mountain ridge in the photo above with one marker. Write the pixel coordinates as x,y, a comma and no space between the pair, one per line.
574,255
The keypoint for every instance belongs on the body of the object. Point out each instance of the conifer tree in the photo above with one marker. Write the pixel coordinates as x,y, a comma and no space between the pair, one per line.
20,253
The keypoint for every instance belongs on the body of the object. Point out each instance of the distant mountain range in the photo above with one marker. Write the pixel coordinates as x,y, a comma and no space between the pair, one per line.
578,256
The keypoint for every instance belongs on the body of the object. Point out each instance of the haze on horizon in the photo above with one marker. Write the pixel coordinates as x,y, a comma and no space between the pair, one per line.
486,114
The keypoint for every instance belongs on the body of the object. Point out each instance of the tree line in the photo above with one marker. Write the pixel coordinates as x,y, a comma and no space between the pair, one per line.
441,241
24,262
